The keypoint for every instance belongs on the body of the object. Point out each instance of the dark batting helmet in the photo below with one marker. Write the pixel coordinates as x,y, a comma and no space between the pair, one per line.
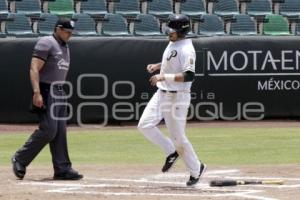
178,23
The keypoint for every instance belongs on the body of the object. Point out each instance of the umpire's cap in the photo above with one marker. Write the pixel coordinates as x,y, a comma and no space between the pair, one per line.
66,24
178,23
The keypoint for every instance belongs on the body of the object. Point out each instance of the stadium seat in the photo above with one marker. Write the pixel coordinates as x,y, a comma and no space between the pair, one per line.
46,24
211,25
193,8
29,7
147,25
225,8
127,8
259,8
297,29
19,25
3,9
114,25
276,25
84,25
290,8
160,8
243,25
61,7
94,7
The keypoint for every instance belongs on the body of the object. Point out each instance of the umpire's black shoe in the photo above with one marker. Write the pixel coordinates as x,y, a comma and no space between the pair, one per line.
68,175
170,160
18,169
192,181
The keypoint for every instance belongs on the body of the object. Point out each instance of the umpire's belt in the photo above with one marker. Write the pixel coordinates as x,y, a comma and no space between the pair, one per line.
169,91
58,87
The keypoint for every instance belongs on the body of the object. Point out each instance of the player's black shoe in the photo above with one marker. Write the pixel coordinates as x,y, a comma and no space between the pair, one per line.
18,169
68,175
170,160
192,181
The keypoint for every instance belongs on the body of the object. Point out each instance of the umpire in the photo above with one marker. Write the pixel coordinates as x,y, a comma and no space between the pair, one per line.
49,65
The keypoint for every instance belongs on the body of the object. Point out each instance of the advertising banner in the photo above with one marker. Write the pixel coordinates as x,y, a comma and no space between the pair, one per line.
237,78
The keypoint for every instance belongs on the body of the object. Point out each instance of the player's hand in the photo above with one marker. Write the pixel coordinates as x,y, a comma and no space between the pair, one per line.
37,100
152,68
155,78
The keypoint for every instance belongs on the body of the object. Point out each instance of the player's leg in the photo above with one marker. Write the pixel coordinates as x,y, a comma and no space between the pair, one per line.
148,125
176,122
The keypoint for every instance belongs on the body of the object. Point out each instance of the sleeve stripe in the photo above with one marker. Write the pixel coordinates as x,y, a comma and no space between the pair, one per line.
35,56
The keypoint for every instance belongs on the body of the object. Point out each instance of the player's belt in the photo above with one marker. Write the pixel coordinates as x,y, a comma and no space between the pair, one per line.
169,91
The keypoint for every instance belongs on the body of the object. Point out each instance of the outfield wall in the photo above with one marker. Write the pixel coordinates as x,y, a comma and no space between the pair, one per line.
236,78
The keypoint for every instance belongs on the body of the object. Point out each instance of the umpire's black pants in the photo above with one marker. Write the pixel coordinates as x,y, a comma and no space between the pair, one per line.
50,131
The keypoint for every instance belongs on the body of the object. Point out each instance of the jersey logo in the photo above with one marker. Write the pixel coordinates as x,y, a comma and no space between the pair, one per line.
63,65
172,54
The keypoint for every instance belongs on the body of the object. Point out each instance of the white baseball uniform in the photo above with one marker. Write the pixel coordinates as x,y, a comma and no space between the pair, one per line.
171,102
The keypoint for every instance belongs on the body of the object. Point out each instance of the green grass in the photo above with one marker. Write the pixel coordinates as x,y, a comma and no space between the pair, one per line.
220,146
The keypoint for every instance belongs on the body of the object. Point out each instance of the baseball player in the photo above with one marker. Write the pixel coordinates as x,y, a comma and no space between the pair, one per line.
49,65
172,99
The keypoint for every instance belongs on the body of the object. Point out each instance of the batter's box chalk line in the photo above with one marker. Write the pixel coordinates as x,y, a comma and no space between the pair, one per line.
157,185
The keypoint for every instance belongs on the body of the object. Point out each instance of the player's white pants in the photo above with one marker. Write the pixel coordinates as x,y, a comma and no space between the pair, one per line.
173,108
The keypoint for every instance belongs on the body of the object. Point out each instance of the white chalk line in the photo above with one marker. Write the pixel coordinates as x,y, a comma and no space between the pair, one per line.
198,187
202,187
182,175
262,178
166,176
73,188
277,186
161,194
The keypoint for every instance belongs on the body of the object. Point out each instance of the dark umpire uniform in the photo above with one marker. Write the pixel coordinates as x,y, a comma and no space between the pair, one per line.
53,51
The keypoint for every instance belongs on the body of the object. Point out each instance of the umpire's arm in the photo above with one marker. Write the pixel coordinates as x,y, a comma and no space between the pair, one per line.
36,65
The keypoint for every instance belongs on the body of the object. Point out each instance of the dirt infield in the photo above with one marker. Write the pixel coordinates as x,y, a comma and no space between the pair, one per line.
147,182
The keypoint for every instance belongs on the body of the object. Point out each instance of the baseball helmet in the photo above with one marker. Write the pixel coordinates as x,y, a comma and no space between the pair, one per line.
178,23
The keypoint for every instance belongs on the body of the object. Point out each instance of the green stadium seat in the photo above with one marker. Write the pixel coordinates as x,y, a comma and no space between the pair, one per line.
193,8
290,8
94,7
61,7
147,25
114,25
47,23
259,8
29,7
211,25
3,9
19,25
276,25
84,25
160,8
243,25
127,8
225,8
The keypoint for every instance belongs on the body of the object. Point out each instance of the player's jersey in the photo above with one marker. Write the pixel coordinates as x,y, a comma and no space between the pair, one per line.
178,57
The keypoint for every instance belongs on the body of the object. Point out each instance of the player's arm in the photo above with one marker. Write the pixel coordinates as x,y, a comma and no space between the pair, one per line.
153,67
36,65
187,76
